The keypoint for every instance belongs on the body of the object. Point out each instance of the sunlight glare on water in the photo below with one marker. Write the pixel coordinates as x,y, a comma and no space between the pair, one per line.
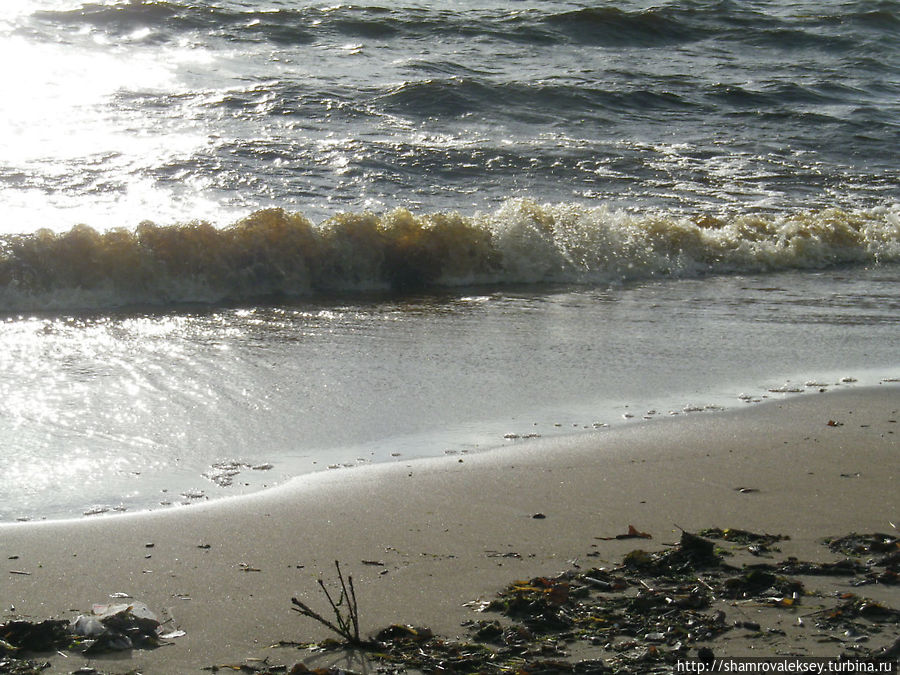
54,89
138,409
67,122
88,419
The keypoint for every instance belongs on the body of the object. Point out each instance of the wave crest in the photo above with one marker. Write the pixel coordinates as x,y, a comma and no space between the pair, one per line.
276,253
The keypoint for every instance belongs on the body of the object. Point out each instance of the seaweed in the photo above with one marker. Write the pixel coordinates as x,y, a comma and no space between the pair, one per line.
755,543
841,568
855,607
28,636
864,544
693,553
9,666
107,628
646,613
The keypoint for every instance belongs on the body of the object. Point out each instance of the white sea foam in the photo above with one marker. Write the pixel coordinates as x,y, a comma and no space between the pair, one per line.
274,253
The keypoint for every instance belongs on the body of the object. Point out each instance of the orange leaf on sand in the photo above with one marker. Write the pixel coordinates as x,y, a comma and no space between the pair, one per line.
633,533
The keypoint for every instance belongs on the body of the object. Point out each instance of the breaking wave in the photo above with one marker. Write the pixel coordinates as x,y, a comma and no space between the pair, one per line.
273,253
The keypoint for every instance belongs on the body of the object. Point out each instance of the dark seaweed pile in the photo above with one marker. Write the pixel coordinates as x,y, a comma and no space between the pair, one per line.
656,608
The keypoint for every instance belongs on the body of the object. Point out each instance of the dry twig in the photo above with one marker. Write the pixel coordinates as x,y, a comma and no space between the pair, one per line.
347,619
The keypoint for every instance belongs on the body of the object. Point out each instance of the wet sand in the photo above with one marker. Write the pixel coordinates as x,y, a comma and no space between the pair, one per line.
421,538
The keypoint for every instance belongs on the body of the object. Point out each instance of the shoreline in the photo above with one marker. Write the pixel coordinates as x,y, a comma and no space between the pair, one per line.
425,536
506,436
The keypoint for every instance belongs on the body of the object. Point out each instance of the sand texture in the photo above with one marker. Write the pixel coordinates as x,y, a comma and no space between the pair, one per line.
422,538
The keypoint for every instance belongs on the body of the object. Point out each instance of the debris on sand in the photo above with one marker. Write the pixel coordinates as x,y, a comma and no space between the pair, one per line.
757,544
107,628
687,600
653,609
882,553
864,544
114,628
633,533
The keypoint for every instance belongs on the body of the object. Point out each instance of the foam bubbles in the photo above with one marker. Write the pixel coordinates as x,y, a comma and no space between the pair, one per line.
273,253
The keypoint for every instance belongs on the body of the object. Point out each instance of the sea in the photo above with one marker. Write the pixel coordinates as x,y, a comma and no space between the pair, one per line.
242,241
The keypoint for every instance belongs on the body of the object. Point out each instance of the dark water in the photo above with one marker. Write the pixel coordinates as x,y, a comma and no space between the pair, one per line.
169,111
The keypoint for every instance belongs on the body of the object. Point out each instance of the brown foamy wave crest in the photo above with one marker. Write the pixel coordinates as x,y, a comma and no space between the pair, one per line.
273,253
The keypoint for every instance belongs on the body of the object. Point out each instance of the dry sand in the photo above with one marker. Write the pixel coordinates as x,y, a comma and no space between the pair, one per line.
225,572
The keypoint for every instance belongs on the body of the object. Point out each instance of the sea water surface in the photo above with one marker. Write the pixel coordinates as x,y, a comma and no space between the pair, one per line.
245,240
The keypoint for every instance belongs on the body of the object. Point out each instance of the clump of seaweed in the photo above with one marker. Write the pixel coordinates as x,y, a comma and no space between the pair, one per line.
11,666
884,565
853,607
864,544
655,607
651,599
692,553
108,628
28,636
646,612
419,648
755,543
840,568
756,581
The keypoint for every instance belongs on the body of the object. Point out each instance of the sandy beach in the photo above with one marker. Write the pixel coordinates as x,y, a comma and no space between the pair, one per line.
422,538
